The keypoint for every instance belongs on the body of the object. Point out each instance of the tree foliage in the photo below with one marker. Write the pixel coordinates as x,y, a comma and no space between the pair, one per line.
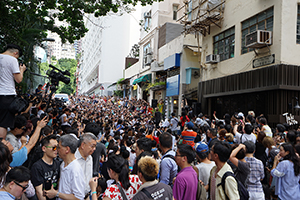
24,22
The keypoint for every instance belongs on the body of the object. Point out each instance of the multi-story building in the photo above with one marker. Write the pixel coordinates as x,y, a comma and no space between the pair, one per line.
249,56
104,48
166,57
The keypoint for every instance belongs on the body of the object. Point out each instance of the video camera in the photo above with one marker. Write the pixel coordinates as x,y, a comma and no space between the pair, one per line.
58,75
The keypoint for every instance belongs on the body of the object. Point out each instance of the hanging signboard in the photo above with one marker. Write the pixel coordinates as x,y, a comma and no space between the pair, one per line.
267,60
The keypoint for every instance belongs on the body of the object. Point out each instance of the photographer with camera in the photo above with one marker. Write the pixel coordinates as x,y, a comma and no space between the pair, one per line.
10,71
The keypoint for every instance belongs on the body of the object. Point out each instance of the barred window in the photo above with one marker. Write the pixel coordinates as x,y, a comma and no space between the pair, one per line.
261,21
224,44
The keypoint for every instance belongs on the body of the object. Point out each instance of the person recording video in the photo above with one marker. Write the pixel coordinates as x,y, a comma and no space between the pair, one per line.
10,71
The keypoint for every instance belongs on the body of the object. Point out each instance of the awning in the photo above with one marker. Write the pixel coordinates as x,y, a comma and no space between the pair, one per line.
193,48
145,78
115,83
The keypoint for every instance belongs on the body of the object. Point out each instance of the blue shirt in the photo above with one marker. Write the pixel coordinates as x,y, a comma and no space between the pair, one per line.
287,184
168,169
19,157
6,196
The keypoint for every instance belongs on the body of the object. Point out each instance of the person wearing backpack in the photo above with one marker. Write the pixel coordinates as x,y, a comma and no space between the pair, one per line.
220,153
168,166
151,188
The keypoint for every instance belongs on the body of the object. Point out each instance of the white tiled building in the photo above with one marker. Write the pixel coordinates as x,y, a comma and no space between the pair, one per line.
104,49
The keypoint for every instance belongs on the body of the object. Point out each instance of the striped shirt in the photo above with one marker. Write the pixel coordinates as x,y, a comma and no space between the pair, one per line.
188,137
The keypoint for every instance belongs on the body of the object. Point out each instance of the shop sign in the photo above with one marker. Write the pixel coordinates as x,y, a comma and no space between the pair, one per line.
173,86
290,119
267,60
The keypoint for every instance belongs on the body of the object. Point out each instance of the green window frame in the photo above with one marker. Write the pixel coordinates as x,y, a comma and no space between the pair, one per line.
261,21
224,44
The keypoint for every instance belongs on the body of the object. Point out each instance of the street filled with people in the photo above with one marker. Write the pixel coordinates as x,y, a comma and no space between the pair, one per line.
105,147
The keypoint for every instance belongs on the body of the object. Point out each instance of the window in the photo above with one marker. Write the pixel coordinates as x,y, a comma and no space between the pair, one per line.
175,9
147,20
298,26
147,55
189,10
224,44
261,21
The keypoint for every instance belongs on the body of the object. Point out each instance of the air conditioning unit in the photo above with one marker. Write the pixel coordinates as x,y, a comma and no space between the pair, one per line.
258,39
149,51
212,58
148,60
147,15
119,87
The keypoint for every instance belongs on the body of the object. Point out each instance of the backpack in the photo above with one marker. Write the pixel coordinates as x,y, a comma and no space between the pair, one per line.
173,158
201,192
243,192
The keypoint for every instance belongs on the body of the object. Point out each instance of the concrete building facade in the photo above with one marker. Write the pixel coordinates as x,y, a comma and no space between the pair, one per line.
104,48
261,77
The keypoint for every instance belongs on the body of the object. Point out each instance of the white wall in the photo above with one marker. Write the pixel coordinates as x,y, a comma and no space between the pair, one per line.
108,46
284,36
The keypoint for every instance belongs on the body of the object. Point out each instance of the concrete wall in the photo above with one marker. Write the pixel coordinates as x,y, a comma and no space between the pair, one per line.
284,36
107,43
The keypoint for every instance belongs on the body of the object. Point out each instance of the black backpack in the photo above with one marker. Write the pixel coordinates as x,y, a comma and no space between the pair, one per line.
243,192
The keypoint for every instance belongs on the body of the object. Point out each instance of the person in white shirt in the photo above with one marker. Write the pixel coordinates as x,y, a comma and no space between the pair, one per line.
87,145
247,136
10,71
174,123
71,183
65,119
42,111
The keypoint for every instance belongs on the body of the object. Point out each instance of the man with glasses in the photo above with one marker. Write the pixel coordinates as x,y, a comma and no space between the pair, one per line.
87,145
71,183
186,182
220,153
45,172
16,183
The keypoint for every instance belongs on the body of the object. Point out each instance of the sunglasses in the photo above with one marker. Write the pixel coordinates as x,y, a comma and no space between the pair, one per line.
53,148
23,187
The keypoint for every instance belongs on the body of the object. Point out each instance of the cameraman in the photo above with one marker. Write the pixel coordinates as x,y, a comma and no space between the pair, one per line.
10,70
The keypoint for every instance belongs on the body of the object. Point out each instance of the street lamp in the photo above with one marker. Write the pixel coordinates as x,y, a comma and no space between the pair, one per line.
297,107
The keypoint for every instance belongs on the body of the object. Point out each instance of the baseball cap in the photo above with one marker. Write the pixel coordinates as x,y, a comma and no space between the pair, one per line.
201,147
189,125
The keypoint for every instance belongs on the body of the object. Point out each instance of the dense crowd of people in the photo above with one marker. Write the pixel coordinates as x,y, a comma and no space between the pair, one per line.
116,148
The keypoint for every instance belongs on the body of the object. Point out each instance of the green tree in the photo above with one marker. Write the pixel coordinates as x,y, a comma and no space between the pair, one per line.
23,19
63,64
71,66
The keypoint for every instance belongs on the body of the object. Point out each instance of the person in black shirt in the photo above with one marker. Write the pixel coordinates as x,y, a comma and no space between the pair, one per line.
45,172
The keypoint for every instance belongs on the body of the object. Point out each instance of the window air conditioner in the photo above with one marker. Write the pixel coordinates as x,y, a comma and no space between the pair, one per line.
148,60
149,51
119,87
212,58
258,39
147,15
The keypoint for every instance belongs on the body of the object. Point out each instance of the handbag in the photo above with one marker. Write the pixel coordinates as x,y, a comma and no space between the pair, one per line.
18,105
